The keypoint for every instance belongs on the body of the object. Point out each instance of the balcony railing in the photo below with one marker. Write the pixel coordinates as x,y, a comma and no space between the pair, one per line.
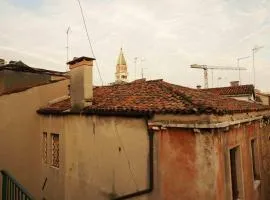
12,190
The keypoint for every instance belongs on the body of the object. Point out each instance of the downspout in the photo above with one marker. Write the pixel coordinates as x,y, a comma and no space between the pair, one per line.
150,169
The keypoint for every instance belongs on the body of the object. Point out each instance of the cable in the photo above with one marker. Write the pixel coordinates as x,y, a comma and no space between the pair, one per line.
89,41
131,169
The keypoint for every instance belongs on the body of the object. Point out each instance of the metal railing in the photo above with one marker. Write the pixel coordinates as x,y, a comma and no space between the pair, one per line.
12,190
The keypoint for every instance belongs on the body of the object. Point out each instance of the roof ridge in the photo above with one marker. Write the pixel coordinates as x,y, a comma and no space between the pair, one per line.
177,94
227,87
129,83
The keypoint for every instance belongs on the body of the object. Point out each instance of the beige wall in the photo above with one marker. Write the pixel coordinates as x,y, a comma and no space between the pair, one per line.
20,133
264,98
243,98
99,156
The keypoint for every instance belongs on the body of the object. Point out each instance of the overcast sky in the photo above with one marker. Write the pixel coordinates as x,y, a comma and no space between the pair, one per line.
168,35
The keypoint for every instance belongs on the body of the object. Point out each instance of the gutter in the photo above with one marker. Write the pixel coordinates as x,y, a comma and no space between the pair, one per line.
210,125
150,169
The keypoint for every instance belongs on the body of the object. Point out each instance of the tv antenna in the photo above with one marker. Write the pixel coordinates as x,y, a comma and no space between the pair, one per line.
67,47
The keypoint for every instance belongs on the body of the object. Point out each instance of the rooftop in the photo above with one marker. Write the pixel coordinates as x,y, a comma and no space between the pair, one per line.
21,67
232,90
155,96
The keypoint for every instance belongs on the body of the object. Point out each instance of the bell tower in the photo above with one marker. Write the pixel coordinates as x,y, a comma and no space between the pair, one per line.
121,73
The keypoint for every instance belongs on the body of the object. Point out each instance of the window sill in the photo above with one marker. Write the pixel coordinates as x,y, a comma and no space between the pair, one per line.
256,184
53,167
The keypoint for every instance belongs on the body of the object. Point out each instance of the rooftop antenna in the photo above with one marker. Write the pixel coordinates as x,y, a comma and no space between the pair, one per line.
255,50
238,60
218,79
135,67
67,47
142,60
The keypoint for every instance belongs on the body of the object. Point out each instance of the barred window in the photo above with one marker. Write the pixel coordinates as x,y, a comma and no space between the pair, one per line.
44,147
55,150
236,173
254,157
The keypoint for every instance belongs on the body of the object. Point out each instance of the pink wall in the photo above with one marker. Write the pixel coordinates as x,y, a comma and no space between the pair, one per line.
197,165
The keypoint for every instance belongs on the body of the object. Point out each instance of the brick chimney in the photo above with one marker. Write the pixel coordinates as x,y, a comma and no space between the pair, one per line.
234,83
81,85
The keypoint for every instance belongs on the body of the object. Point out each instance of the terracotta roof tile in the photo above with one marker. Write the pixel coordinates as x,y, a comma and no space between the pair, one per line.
233,90
157,96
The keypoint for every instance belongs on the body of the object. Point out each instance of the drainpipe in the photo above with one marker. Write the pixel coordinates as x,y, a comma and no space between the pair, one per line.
150,169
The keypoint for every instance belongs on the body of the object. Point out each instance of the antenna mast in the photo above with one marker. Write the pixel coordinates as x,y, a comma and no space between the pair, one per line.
67,32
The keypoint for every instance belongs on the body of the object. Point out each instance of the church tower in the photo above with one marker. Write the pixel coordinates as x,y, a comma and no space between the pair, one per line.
121,73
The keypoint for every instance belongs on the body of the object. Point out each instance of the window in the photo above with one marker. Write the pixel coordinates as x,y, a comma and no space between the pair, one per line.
55,150
254,160
44,147
236,173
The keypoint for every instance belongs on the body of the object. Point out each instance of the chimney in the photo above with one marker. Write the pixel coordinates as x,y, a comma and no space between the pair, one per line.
81,85
199,86
2,62
234,83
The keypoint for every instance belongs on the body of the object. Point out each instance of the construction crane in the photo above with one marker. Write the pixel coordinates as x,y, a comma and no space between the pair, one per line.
206,67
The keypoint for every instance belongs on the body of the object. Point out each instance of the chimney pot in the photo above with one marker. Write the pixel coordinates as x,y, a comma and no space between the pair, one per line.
234,83
81,86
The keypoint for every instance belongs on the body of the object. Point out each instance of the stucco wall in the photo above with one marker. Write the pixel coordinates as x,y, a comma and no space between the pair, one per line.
187,165
195,164
225,140
264,98
20,133
100,156
265,159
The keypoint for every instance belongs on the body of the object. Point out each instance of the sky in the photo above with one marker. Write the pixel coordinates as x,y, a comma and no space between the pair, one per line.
167,36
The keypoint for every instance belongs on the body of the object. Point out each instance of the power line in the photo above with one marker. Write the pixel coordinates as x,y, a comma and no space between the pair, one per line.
131,169
89,41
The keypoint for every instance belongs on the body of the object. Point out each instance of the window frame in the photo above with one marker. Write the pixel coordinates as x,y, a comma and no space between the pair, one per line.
254,153
241,178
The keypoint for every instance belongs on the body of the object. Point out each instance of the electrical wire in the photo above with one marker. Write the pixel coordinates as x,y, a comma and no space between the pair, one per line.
131,169
89,41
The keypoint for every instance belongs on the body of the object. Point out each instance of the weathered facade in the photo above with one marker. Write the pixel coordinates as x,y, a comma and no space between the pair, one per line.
263,98
204,161
100,157
155,140
23,91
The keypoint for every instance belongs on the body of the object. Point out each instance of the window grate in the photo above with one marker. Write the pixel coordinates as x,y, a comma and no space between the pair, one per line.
55,150
45,147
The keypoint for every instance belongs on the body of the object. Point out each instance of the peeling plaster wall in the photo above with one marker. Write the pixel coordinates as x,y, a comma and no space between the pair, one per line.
236,136
195,164
187,164
265,159
99,157
177,155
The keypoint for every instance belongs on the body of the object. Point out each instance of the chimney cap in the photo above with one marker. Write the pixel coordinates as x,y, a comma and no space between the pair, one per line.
76,60
234,83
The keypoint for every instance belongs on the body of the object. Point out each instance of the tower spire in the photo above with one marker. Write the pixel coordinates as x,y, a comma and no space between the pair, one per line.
121,74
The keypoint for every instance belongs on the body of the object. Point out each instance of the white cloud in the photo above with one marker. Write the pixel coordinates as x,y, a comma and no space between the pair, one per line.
171,35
